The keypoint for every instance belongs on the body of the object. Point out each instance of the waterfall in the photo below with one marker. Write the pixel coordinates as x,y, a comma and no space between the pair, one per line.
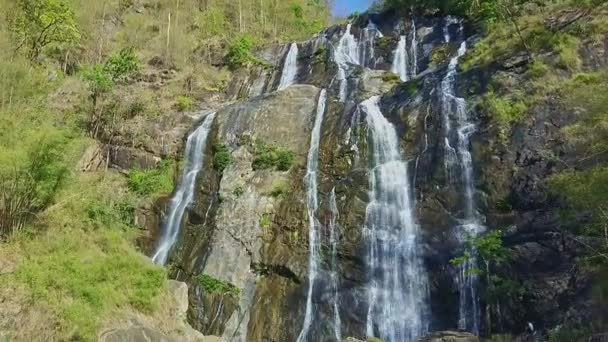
405,61
414,50
367,41
398,290
333,244
400,60
290,67
310,181
346,52
194,155
458,161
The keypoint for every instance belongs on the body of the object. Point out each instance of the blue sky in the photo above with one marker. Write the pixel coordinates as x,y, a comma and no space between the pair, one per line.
346,7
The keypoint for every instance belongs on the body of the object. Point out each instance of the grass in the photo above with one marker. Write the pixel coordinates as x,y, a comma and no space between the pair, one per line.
214,285
153,182
84,267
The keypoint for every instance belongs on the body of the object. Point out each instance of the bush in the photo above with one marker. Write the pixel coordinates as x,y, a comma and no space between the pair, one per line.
184,103
152,182
270,156
30,177
279,189
121,64
222,158
238,191
265,221
240,52
214,285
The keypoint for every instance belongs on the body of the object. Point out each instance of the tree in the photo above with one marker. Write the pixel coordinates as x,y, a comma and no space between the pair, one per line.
490,252
40,23
102,77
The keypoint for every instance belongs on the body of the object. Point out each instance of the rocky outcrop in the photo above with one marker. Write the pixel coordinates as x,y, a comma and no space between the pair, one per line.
173,328
248,228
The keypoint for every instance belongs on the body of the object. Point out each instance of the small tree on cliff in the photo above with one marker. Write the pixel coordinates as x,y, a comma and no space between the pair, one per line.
490,254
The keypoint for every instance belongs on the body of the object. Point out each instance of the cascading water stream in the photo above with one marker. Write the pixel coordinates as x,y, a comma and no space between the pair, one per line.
458,160
310,181
290,67
333,245
398,289
414,50
183,197
405,60
367,44
346,52
401,60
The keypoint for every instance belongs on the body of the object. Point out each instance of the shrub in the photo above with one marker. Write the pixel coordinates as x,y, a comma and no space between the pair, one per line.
265,221
184,103
284,160
238,191
222,158
240,52
279,189
214,285
121,64
152,182
30,177
271,156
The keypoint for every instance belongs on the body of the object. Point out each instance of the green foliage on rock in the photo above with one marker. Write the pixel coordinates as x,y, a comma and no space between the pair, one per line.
271,156
240,52
217,286
222,158
265,221
150,183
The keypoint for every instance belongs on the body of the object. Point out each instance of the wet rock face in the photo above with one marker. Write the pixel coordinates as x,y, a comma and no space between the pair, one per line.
249,227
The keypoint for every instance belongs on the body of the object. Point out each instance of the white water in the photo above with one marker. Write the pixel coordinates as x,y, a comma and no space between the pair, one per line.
367,43
194,154
401,60
290,67
346,52
333,244
310,181
405,60
458,161
398,290
414,50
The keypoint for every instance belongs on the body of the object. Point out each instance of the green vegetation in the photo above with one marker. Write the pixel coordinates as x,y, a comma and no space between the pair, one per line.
441,54
222,158
265,221
279,189
491,254
271,156
150,183
184,103
238,191
42,24
214,285
84,267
